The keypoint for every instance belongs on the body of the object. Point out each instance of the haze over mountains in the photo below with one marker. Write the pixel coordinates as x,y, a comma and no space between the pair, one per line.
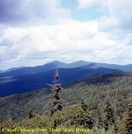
42,68
24,79
57,64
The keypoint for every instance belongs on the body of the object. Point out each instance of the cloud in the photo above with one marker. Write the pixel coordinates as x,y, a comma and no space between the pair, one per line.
31,12
46,42
118,12
49,33
63,41
89,3
116,28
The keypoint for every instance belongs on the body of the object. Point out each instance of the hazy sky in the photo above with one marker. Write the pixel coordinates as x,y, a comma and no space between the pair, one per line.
33,32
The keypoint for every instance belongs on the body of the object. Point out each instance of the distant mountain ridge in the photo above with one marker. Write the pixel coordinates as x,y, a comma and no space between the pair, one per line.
57,64
43,68
125,68
25,79
25,83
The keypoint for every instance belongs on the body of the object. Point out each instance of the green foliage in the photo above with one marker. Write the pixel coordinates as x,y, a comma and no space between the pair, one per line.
110,119
70,118
101,118
128,126
84,106
95,113
7,125
67,117
37,122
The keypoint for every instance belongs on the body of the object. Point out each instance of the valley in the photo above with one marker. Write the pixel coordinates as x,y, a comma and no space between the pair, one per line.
90,95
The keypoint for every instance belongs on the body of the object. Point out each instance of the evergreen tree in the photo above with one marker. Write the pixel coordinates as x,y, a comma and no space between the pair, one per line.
85,119
100,112
84,106
128,127
110,119
56,103
31,114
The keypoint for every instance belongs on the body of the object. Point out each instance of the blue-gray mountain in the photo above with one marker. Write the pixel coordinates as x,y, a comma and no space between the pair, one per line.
43,68
26,79
58,64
